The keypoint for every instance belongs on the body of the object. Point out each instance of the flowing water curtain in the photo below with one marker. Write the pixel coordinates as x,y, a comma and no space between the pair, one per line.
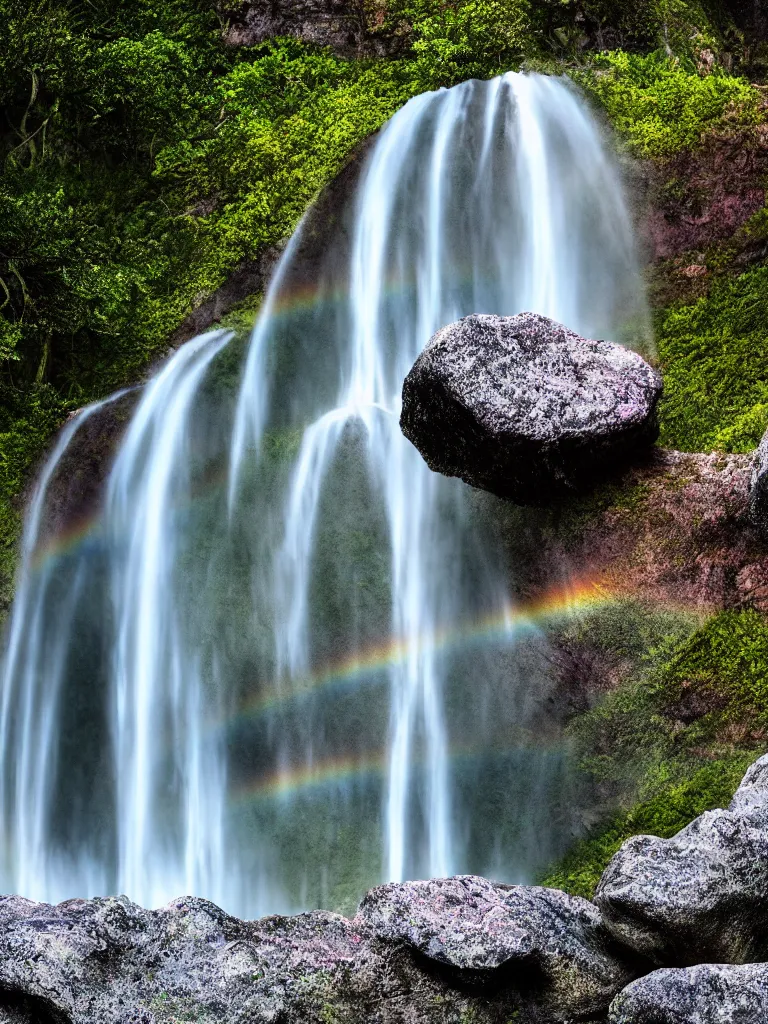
492,197
314,681
35,667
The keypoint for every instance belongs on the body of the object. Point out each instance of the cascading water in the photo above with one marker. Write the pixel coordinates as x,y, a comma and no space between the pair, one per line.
310,677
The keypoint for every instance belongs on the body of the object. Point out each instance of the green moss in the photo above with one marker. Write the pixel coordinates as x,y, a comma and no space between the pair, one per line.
661,105
715,376
570,519
671,809
675,739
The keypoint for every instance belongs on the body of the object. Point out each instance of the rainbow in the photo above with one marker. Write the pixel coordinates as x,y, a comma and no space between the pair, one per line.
331,771
65,541
287,781
509,623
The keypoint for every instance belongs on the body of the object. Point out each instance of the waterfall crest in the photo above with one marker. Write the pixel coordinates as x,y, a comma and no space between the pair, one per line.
312,679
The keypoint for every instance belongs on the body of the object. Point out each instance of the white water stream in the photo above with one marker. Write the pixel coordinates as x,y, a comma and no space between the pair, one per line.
294,703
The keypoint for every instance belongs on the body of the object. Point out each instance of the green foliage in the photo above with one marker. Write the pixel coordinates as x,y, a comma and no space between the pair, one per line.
676,738
477,38
143,161
664,815
660,105
715,375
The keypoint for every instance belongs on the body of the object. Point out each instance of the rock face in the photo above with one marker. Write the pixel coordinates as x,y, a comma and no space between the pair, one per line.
107,961
523,407
444,951
750,801
709,994
544,941
702,895
758,488
341,24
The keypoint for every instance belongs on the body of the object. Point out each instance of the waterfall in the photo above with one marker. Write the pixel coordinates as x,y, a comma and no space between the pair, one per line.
311,677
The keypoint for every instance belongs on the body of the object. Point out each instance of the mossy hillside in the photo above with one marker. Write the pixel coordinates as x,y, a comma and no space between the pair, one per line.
716,375
711,350
143,160
659,105
145,163
676,738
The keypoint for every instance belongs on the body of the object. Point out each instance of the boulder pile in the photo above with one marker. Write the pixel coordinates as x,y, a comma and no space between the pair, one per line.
525,408
671,938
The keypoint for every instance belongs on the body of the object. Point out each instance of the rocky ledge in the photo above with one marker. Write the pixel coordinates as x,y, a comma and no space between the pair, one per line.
525,408
344,25
448,950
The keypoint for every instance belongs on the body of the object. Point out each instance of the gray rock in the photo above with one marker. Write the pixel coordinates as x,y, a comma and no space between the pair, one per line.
700,896
541,940
341,24
108,961
758,489
708,994
533,953
750,800
523,407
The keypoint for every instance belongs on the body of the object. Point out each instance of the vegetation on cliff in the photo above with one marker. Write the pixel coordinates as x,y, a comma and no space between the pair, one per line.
675,738
143,161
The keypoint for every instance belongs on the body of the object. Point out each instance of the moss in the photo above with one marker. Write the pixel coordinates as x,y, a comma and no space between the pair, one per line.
715,375
661,105
573,516
676,737
671,809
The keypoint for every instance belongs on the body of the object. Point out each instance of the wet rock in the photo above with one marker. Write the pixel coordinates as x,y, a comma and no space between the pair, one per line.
550,947
341,24
708,994
523,407
758,488
76,490
700,896
108,961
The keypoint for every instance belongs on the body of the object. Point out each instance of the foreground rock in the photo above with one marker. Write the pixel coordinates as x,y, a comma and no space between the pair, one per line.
702,895
547,944
523,407
709,994
478,952
758,488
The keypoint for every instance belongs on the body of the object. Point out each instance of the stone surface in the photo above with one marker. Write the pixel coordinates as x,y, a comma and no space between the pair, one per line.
347,26
758,487
472,927
108,961
708,994
701,896
523,407
750,801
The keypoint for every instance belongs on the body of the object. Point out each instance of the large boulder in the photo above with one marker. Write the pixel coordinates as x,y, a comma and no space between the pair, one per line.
525,408
708,994
758,489
108,961
701,895
550,947
475,951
